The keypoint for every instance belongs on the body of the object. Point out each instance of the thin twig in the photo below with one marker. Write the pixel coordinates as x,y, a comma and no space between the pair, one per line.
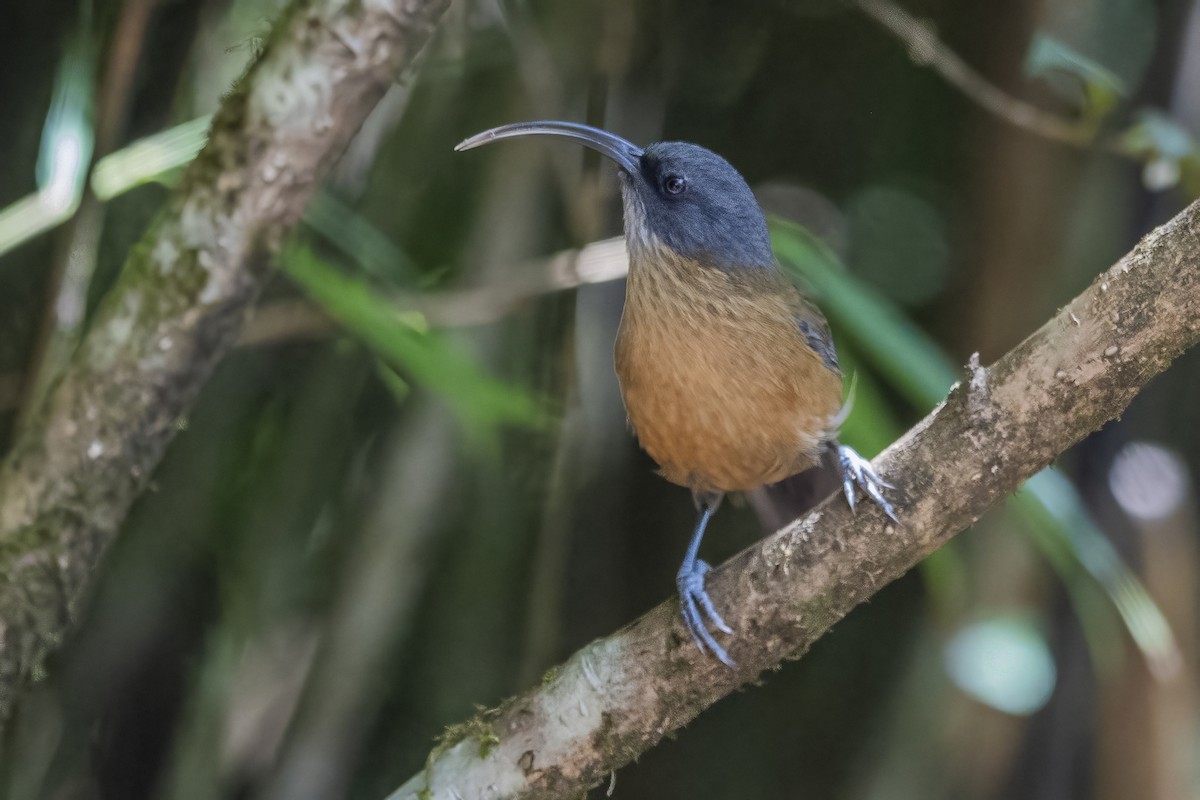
619,696
296,319
926,49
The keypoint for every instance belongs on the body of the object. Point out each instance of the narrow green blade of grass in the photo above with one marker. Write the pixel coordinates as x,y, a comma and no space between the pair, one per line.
894,346
345,229
66,146
149,158
403,341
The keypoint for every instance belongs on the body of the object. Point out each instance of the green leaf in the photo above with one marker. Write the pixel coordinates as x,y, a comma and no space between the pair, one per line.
1056,516
1051,59
1153,133
1167,150
392,381
360,240
402,339
870,425
67,137
149,158
875,327
66,146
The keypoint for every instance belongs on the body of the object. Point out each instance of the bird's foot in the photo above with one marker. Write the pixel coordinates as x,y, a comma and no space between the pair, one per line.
857,473
693,598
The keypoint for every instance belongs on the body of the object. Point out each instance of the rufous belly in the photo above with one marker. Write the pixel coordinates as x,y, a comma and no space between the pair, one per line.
724,404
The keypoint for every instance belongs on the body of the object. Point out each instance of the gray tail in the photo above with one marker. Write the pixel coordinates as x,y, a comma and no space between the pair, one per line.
779,503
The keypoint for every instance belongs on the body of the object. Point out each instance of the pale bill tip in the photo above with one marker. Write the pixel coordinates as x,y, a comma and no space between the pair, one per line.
474,141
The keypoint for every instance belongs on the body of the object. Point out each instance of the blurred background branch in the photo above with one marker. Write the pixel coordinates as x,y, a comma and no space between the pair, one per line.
1166,148
926,49
178,307
79,242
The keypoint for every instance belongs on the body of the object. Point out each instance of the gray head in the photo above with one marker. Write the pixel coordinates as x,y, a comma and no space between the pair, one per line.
679,195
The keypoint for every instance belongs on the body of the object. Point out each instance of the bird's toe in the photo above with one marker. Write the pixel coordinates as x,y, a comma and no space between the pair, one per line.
696,604
857,473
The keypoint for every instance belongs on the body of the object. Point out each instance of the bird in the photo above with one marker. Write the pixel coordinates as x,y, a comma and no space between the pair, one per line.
728,372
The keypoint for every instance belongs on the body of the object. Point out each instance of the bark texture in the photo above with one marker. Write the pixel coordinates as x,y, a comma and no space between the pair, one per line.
619,696
179,305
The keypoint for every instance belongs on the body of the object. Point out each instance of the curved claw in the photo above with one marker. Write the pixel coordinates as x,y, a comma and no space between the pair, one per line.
693,598
849,488
857,473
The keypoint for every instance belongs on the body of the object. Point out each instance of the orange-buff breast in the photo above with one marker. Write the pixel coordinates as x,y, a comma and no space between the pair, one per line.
720,384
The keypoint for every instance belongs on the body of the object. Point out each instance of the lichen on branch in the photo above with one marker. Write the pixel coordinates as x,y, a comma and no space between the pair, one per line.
179,305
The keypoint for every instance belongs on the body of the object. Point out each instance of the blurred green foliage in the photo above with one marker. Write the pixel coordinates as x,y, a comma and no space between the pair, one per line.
1048,507
323,576
405,342
1095,89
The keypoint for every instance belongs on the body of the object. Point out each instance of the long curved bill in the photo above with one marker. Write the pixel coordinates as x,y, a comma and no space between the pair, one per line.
626,154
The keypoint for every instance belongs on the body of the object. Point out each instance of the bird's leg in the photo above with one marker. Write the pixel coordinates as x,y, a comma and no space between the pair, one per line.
693,598
857,473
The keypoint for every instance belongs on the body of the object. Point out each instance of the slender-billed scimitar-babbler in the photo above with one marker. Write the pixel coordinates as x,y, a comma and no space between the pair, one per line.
728,373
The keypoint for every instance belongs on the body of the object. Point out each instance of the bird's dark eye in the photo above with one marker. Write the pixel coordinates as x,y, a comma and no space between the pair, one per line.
674,184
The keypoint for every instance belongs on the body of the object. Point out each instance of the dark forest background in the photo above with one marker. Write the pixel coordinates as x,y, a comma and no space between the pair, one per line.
411,490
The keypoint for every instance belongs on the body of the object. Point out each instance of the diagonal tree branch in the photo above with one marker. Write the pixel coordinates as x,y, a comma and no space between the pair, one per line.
619,696
179,305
